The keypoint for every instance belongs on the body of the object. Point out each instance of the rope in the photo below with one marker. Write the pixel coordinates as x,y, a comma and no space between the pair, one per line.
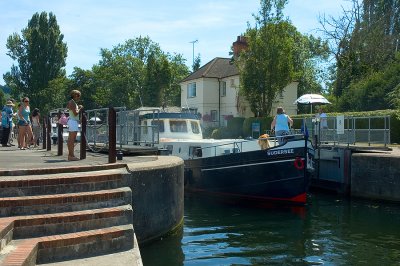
93,149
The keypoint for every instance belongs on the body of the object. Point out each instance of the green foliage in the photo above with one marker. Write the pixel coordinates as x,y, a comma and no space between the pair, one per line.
369,43
376,91
265,124
2,98
136,73
41,53
62,87
276,55
235,127
196,63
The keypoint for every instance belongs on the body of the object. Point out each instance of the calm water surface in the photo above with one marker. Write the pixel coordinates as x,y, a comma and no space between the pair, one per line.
330,230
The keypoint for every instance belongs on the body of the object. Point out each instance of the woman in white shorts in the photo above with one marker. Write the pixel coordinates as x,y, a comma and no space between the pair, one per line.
73,123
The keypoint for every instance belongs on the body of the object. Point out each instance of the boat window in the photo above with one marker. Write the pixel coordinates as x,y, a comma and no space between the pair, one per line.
159,123
178,126
195,151
195,127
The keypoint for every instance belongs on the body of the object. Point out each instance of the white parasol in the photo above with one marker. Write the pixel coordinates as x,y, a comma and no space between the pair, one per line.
94,118
311,99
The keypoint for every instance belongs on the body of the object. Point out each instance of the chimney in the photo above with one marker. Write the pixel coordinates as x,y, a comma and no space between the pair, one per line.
239,46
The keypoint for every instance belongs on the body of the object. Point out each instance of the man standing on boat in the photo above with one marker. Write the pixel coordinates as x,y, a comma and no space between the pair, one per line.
281,124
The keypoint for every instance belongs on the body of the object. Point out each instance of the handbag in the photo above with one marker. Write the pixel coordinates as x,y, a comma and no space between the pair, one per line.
63,120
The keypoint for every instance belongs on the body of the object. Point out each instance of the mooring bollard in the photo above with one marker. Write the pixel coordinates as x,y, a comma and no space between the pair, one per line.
83,134
44,130
48,134
120,155
112,135
60,138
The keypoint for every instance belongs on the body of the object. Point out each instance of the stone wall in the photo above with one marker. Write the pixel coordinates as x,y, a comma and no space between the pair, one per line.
375,176
157,196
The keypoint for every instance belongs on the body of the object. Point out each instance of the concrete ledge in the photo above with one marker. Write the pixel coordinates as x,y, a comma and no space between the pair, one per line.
158,195
375,176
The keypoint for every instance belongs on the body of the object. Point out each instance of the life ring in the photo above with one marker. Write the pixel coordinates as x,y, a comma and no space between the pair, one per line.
299,163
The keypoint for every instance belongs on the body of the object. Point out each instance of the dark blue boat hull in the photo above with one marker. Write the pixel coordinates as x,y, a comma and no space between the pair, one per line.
274,175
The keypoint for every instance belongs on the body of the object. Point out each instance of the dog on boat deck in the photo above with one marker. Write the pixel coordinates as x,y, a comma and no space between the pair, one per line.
264,142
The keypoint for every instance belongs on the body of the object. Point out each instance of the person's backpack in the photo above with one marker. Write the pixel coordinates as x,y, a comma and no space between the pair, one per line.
63,120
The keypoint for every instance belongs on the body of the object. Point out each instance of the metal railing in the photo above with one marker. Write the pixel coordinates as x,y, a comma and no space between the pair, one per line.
129,131
349,130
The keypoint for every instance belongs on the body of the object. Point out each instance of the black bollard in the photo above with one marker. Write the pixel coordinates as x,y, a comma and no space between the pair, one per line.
112,135
83,134
44,135
60,138
48,134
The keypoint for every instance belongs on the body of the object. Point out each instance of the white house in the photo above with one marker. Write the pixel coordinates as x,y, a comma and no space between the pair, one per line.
213,91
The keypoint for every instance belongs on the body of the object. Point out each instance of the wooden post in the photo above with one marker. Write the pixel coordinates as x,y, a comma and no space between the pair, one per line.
83,134
48,133
112,135
60,139
44,130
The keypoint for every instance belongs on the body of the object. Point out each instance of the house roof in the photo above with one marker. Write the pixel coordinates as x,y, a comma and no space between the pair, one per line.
217,68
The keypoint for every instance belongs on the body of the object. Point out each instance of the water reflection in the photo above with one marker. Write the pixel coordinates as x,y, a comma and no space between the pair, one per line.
329,231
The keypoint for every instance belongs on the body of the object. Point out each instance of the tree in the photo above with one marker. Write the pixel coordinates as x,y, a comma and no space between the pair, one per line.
267,65
178,71
196,63
364,40
41,53
136,73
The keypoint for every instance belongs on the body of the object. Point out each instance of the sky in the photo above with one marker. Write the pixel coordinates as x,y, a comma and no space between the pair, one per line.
90,25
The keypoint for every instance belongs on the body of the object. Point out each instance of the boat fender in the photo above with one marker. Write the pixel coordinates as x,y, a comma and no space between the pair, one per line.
299,163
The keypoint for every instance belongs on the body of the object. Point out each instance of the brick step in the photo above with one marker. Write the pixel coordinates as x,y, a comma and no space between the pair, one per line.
66,169
61,223
68,246
61,183
31,205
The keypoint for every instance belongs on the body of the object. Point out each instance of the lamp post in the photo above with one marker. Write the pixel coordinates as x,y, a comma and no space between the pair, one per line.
193,42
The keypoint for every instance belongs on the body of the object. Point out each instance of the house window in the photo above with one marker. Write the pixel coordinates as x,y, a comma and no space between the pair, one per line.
191,90
281,94
232,83
223,88
213,115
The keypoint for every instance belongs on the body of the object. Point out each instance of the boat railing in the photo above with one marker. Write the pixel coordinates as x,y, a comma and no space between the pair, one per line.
237,146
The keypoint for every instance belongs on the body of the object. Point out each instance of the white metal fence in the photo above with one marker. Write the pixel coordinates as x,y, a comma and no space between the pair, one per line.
349,130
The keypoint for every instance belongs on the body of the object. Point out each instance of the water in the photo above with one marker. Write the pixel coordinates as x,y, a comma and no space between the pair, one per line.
330,230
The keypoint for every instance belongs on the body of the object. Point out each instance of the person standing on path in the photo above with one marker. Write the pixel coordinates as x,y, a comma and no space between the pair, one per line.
25,130
73,123
6,122
36,126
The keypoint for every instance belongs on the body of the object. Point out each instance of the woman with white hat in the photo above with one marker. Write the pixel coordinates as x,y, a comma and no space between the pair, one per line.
6,122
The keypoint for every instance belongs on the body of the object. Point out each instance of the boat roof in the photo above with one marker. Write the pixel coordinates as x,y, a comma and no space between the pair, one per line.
170,116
